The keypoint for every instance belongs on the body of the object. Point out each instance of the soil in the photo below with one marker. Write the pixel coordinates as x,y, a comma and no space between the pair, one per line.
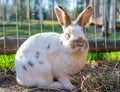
100,76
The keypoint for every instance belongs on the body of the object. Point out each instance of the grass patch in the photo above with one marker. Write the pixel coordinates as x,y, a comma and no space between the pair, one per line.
103,56
7,61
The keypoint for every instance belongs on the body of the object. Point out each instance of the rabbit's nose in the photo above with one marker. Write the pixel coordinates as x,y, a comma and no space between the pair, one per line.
80,44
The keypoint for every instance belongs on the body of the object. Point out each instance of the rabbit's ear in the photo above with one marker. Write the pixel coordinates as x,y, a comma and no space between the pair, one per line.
62,16
84,16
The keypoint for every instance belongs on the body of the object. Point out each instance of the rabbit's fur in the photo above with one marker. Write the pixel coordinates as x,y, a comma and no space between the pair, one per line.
48,56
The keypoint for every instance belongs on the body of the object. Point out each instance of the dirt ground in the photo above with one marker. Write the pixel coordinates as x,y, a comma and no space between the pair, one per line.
100,76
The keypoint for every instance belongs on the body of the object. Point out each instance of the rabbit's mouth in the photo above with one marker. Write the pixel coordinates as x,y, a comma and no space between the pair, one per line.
79,44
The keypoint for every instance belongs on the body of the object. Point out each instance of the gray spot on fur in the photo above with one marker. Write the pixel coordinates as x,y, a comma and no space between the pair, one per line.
61,42
37,54
48,46
41,62
21,56
30,63
24,67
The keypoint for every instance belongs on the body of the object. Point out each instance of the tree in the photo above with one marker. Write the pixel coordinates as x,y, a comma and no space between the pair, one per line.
28,10
7,10
112,18
96,6
106,12
22,9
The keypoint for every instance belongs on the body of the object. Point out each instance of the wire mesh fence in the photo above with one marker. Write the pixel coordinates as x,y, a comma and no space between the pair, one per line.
25,18
19,19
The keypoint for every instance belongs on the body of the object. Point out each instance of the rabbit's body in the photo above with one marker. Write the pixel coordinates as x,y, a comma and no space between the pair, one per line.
47,50
48,56
32,68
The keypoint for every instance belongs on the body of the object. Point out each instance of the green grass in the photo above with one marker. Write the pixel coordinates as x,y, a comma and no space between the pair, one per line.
7,61
103,56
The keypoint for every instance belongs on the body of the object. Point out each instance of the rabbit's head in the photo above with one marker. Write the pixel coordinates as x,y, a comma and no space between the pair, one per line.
73,36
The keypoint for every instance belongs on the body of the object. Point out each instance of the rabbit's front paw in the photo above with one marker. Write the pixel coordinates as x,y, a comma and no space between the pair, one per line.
66,82
69,86
56,85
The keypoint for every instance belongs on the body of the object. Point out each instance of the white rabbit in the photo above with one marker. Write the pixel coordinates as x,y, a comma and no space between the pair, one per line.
48,56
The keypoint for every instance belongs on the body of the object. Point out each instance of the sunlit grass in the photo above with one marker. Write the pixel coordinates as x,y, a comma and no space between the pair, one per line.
6,61
103,56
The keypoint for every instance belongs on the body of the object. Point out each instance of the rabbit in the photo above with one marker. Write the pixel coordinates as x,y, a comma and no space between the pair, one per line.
44,57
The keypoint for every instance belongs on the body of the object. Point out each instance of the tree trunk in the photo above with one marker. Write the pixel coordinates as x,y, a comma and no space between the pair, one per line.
105,27
96,17
22,2
28,10
7,11
85,3
41,14
112,19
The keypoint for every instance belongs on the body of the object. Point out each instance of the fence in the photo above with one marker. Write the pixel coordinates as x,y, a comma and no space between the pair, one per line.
25,20
19,19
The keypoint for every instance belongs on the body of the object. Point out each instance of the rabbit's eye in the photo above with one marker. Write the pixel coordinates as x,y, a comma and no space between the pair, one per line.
67,35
